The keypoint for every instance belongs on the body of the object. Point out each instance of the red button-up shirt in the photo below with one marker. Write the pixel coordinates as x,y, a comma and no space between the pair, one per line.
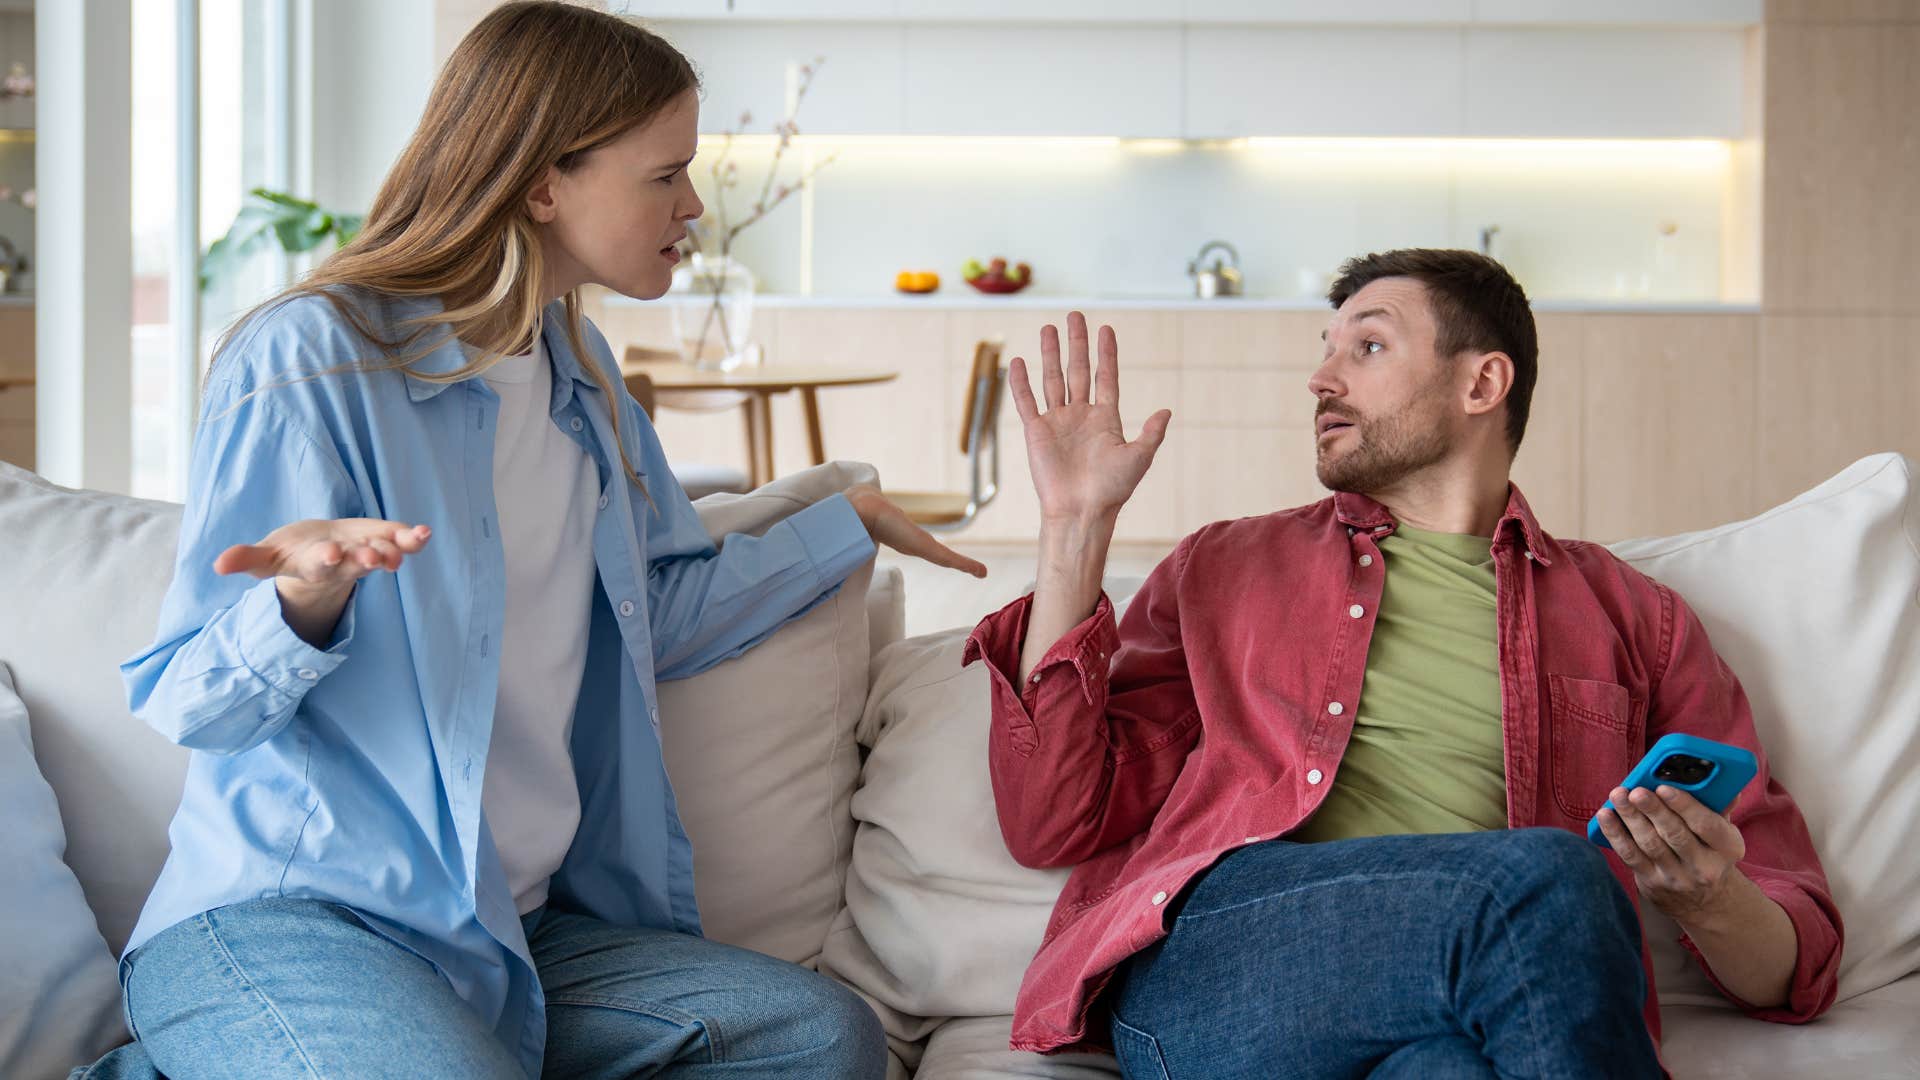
1204,722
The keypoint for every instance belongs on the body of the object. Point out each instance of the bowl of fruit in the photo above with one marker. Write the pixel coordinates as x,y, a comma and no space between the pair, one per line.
997,276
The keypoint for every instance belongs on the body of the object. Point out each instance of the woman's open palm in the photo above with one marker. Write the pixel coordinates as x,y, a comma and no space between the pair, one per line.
321,554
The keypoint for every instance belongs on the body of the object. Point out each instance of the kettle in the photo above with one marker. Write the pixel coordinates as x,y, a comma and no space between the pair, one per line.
1220,279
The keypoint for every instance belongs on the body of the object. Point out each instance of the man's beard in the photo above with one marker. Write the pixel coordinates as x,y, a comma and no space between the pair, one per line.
1390,449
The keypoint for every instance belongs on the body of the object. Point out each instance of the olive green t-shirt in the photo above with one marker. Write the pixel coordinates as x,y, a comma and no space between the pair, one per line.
1425,756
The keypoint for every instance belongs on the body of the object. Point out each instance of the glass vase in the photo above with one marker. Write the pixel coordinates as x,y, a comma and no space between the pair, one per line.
712,303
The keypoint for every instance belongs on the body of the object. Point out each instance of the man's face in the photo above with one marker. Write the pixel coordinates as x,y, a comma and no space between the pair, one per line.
1384,393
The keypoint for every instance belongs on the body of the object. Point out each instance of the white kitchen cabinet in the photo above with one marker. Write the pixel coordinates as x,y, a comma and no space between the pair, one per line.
815,9
1701,13
1618,12
744,68
1605,83
1043,80
757,9
1328,12
1323,81
1030,11
1041,73
670,9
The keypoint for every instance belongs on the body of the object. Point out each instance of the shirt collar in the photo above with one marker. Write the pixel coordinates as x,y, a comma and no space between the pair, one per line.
1357,511
451,355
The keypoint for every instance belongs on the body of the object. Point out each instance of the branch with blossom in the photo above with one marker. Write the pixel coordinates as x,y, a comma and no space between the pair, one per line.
17,82
726,177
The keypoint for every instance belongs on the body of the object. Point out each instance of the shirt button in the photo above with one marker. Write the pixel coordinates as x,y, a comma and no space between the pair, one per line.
626,609
1356,611
603,500
308,674
1159,898
1336,708
578,423
1529,555
1036,678
1314,776
1366,560
1253,839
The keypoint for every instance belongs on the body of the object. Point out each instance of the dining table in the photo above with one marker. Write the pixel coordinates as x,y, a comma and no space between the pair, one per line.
757,384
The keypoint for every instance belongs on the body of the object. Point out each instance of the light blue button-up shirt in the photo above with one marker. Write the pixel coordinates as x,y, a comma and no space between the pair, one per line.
353,773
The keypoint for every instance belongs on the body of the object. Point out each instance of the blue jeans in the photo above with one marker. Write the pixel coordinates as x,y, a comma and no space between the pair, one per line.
301,988
1497,954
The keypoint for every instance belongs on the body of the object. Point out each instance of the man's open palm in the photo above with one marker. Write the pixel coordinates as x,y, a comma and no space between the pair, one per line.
1082,464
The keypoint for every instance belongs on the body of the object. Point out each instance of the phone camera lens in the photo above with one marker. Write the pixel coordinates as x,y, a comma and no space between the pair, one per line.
1683,769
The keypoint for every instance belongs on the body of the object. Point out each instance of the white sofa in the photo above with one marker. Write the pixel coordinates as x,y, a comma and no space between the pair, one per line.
833,781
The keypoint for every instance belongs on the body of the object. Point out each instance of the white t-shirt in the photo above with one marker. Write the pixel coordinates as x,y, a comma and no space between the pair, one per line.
545,491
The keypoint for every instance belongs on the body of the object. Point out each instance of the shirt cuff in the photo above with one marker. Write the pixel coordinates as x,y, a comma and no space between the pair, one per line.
1082,653
270,649
1816,969
833,537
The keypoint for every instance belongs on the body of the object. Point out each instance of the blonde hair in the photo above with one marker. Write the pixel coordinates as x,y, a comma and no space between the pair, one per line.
535,84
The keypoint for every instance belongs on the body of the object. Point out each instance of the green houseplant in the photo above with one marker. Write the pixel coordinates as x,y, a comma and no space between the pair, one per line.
275,217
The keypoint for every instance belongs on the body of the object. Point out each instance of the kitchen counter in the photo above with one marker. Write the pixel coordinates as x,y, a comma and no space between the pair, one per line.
963,298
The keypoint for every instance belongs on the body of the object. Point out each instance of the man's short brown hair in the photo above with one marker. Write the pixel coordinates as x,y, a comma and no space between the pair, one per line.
1476,305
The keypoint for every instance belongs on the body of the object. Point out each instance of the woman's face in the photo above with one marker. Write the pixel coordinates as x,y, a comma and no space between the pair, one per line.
614,219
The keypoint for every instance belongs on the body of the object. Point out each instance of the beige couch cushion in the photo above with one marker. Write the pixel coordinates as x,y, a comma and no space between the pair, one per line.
83,576
1815,605
1868,1037
761,750
59,997
940,920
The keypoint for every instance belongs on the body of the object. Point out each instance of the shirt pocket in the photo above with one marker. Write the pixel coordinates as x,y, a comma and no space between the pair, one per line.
1596,732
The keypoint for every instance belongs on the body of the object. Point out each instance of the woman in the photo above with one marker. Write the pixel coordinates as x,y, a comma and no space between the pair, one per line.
427,831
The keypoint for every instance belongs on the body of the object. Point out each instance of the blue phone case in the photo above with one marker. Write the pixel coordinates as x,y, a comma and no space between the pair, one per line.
1733,767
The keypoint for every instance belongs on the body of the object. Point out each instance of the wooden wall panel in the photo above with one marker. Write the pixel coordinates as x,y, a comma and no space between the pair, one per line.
1830,11
1550,469
16,426
1832,390
909,428
1842,172
1668,435
17,405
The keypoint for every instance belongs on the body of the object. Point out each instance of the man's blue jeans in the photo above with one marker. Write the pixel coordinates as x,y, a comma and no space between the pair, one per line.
301,988
1501,954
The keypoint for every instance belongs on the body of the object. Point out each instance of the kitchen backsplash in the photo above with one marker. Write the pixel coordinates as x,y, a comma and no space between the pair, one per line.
1650,220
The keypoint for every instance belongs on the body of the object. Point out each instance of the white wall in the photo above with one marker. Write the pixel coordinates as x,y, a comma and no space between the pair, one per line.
373,67
83,171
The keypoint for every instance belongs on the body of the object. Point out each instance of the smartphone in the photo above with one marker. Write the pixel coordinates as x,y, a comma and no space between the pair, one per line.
1712,772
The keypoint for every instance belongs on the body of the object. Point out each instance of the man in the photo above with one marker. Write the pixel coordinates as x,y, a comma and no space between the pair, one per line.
1327,784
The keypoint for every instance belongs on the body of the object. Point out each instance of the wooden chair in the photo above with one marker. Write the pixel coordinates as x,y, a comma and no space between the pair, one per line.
701,400
979,440
698,479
